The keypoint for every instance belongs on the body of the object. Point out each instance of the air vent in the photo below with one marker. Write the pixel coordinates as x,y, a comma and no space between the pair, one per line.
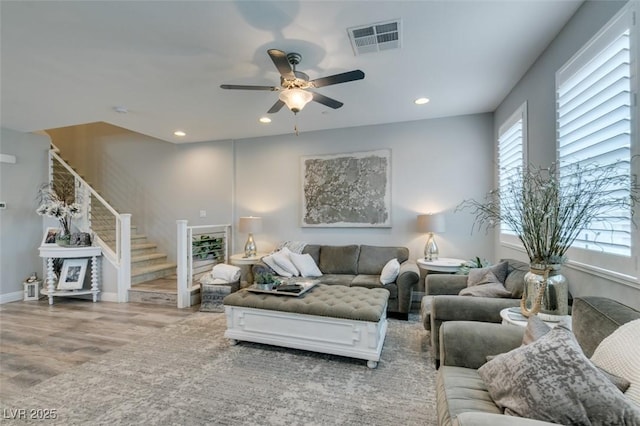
375,37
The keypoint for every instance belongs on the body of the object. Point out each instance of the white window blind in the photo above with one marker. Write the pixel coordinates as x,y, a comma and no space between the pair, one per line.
511,158
594,127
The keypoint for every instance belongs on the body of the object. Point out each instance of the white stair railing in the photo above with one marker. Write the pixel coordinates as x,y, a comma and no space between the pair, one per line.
199,248
118,254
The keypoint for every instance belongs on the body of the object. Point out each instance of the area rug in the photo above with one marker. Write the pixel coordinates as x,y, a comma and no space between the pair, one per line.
189,374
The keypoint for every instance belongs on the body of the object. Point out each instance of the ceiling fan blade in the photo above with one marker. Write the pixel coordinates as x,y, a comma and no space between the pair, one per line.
324,100
241,87
281,62
276,107
338,78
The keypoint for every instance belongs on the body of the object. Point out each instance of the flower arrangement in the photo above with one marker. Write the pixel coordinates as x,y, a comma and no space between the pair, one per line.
471,264
547,212
59,203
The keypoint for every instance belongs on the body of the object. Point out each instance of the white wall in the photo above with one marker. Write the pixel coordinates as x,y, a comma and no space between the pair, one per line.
435,165
21,228
537,87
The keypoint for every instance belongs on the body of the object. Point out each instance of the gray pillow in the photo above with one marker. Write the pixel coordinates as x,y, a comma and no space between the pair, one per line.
488,286
476,275
552,380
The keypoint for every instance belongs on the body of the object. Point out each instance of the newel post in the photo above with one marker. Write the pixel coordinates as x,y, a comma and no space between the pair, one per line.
124,274
184,294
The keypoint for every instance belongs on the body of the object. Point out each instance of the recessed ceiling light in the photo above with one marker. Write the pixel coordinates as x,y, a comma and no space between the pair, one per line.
421,101
179,133
265,120
120,109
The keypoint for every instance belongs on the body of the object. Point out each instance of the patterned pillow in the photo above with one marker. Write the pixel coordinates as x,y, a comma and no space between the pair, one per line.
536,328
552,380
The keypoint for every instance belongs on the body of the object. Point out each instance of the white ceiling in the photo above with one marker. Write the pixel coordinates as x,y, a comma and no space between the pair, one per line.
68,63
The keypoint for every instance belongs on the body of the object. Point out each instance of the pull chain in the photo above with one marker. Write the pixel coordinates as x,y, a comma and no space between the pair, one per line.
295,124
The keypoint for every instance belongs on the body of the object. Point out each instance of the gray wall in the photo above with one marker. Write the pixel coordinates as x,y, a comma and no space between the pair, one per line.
21,228
537,87
435,165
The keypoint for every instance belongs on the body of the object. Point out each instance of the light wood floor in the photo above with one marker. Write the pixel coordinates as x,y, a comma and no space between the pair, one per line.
38,341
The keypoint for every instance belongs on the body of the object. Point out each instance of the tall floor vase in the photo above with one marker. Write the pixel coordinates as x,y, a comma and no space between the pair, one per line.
546,293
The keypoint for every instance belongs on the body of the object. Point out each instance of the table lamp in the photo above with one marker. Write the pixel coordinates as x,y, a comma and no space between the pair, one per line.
249,225
431,223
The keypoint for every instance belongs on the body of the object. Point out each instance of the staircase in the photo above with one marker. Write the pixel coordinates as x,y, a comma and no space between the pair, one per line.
153,277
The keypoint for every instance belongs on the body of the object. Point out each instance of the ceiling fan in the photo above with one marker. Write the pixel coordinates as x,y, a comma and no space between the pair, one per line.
294,84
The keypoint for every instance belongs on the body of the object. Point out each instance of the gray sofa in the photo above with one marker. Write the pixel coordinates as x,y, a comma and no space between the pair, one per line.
360,266
446,305
462,396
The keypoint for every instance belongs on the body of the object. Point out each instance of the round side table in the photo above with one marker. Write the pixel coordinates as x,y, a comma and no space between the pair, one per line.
444,264
245,264
514,317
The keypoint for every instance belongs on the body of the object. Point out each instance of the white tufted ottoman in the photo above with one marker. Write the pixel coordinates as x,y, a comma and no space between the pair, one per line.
333,319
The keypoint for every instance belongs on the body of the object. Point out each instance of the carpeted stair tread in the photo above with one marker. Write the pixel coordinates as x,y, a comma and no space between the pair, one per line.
152,268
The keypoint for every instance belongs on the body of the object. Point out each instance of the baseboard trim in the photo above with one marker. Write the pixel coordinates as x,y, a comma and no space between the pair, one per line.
109,297
11,297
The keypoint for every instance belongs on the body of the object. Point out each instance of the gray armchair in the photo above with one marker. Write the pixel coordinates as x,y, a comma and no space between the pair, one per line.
446,305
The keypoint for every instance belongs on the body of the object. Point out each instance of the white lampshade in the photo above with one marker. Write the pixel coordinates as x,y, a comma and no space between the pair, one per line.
295,98
250,224
431,223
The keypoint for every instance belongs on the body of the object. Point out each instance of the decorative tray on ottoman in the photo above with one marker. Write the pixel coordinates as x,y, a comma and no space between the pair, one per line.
284,289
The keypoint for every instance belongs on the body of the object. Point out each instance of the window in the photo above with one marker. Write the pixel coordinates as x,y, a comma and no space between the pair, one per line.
511,156
595,125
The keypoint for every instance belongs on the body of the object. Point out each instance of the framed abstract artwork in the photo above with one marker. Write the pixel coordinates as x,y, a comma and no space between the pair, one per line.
347,190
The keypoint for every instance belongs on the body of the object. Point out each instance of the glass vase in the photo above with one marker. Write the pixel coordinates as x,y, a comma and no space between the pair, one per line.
63,238
554,302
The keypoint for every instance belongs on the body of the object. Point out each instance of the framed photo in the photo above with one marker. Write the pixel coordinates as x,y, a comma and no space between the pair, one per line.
72,274
49,237
347,190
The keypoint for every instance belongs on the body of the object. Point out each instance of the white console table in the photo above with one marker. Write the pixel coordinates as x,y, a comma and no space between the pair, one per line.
53,251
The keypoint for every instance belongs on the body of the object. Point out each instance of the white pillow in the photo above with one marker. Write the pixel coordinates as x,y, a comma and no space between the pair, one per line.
282,260
619,354
390,272
305,264
271,263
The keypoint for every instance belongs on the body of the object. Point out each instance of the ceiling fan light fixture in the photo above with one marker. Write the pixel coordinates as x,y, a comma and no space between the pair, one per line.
295,98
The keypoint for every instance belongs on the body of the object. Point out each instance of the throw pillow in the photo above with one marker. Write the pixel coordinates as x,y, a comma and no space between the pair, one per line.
487,286
271,263
282,260
476,275
390,272
305,264
552,380
619,354
536,328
